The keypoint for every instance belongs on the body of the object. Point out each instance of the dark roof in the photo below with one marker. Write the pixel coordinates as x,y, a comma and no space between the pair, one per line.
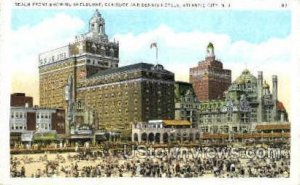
183,83
18,94
138,66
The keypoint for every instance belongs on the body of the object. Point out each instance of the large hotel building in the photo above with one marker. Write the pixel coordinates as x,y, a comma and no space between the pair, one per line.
115,96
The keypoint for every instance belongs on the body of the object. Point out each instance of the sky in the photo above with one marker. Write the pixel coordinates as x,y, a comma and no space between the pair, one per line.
257,40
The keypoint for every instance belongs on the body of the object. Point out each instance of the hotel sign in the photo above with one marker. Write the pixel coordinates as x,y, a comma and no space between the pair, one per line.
26,136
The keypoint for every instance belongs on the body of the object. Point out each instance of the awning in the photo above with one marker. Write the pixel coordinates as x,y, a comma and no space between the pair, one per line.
44,136
177,123
81,137
273,127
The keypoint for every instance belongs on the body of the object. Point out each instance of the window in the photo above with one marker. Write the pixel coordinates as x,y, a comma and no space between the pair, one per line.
229,117
209,118
245,118
218,118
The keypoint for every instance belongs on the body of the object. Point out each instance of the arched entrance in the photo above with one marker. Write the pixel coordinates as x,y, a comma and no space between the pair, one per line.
185,136
191,137
151,137
165,138
144,137
135,137
178,137
197,137
172,137
157,138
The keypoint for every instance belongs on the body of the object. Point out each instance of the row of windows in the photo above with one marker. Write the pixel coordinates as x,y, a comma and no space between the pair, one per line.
221,129
18,127
245,118
215,118
46,116
108,79
18,115
43,126
53,58
189,106
98,62
23,115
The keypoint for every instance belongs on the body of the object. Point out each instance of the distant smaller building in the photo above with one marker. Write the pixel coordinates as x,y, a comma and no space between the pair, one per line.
27,122
248,102
164,132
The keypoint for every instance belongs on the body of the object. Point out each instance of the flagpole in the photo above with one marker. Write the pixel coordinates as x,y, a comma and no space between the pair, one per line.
156,55
154,44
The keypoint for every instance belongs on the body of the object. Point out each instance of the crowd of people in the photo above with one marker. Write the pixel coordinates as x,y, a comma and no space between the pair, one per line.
115,164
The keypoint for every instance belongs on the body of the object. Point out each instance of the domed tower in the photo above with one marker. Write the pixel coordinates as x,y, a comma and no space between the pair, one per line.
98,51
97,26
210,51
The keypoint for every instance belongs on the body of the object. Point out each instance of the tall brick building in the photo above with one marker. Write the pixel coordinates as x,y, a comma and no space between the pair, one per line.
87,72
89,53
209,79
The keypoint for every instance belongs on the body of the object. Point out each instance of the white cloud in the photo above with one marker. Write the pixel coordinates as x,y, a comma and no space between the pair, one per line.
27,42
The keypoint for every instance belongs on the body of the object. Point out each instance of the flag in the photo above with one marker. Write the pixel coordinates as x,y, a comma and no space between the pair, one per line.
154,44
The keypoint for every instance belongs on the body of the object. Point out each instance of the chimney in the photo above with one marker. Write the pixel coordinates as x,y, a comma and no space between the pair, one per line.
259,96
275,97
275,88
